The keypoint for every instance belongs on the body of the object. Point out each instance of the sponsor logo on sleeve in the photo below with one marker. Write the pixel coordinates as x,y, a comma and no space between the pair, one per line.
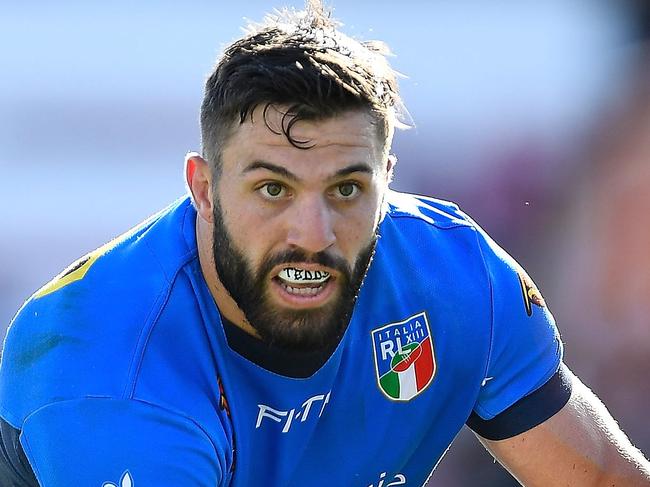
125,481
530,292
76,271
405,362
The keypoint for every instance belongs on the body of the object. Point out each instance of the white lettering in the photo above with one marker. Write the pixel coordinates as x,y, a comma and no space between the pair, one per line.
398,340
386,350
264,414
398,479
327,399
306,406
287,425
286,418
411,337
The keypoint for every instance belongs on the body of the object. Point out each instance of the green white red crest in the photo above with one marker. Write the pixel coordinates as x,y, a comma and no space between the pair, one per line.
405,363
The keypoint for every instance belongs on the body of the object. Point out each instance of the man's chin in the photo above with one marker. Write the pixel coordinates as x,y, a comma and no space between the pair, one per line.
305,329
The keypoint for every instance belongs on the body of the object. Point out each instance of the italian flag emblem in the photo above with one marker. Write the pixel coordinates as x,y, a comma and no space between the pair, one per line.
404,359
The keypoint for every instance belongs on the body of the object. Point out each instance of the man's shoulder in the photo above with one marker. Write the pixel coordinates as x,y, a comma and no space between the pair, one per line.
419,230
431,211
121,276
434,223
80,334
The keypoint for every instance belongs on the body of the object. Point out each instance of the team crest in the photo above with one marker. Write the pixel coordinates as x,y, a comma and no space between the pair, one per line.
530,292
404,359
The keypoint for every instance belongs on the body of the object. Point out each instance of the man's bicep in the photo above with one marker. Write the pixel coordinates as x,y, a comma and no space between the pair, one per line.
581,445
118,442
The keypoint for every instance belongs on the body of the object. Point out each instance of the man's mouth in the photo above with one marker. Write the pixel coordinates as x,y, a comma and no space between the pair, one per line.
296,275
300,282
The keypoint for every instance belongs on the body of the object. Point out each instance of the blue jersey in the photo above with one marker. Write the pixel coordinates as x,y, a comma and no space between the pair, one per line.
119,373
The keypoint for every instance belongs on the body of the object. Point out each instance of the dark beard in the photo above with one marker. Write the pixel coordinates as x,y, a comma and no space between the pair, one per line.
306,330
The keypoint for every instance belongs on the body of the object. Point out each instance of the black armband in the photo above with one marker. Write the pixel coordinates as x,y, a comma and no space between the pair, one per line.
528,412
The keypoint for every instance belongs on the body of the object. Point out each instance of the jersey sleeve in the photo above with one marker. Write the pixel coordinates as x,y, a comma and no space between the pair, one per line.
118,443
526,350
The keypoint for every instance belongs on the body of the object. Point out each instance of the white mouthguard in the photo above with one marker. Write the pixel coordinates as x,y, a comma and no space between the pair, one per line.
303,276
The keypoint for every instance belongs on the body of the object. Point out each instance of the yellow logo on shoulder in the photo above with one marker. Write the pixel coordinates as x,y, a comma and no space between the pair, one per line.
75,272
530,292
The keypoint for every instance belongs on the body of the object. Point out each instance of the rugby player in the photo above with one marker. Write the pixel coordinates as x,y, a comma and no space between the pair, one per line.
293,321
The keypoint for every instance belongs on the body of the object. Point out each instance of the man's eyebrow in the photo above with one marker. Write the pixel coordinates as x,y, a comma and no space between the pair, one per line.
346,171
271,167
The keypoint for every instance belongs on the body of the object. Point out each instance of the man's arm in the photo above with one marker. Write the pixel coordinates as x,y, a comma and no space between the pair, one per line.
581,445
95,441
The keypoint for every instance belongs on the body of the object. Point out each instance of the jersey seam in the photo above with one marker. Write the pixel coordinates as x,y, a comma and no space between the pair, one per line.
491,287
457,223
143,341
28,453
157,260
149,323
448,208
182,415
146,331
9,418
184,258
132,399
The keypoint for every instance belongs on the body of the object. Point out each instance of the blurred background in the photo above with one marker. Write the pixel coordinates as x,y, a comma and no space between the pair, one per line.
533,116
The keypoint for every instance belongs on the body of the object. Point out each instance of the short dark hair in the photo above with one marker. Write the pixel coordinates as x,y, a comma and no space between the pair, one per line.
299,60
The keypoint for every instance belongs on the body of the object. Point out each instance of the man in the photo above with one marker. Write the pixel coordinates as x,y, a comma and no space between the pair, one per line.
296,323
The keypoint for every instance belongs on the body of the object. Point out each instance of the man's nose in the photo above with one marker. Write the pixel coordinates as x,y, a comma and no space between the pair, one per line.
311,224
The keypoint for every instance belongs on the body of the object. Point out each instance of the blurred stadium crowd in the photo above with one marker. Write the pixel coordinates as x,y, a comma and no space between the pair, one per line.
533,116
579,221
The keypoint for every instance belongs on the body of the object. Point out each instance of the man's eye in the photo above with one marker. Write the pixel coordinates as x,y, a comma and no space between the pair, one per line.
347,190
272,190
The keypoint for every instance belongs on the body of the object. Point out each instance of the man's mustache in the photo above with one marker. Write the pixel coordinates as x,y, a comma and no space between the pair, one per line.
297,256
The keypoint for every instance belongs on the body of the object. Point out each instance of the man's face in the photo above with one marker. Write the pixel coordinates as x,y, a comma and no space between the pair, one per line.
295,229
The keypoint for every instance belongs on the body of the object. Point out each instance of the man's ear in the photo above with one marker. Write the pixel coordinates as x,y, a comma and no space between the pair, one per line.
391,161
198,177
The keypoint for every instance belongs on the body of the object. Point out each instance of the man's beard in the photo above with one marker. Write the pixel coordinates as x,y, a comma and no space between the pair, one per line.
297,329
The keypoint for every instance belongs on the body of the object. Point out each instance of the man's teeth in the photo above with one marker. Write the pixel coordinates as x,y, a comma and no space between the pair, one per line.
303,291
295,275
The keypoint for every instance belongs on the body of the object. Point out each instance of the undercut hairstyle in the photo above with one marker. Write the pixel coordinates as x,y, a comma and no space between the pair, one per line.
300,63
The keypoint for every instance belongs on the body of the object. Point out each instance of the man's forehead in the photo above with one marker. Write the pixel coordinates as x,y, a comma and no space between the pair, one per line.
349,129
